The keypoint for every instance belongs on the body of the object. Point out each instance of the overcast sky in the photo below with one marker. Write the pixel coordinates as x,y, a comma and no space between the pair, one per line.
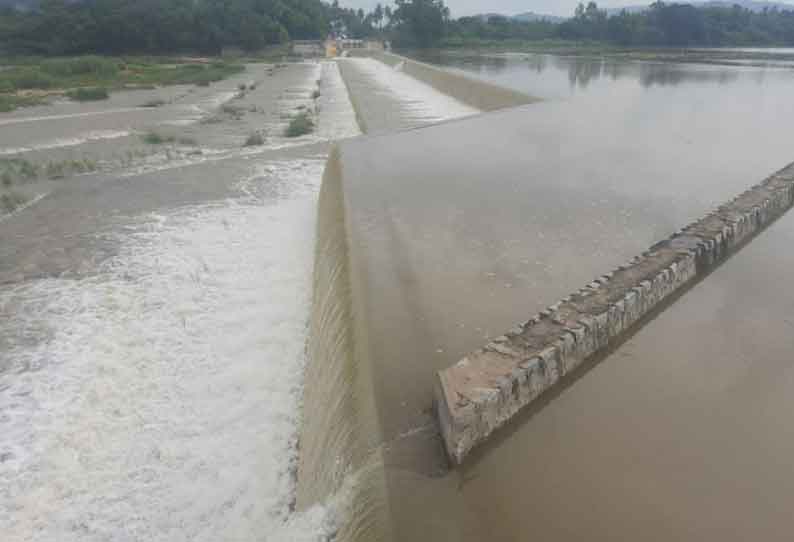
507,7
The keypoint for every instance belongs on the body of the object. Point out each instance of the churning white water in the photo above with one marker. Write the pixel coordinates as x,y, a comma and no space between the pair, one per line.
417,99
165,404
158,398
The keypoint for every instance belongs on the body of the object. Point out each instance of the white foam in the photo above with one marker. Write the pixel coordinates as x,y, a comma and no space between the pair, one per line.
45,118
164,404
337,116
418,100
158,399
79,139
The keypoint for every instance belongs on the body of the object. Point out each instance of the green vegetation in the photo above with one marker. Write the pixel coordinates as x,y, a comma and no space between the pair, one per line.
682,25
10,201
424,23
113,27
9,102
15,170
30,80
254,140
88,94
119,27
301,124
153,103
18,170
155,138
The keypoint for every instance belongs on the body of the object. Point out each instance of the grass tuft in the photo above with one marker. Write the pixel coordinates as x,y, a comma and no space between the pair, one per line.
11,201
153,103
155,138
88,94
254,140
300,125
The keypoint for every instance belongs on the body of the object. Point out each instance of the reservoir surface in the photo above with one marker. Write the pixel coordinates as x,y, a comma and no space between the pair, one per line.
462,230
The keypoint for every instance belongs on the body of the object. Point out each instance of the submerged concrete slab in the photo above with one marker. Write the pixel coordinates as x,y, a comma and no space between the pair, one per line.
476,93
489,387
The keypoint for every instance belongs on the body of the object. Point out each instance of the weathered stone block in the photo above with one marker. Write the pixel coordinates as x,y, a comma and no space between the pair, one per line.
486,389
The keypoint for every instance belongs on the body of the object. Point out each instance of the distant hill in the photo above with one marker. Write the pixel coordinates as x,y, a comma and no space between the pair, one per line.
532,17
752,5
528,17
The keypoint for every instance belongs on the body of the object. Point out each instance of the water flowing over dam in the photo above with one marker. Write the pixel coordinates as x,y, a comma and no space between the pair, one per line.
208,341
434,241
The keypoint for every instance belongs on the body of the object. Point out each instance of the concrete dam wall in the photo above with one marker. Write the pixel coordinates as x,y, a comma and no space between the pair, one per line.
475,93
432,243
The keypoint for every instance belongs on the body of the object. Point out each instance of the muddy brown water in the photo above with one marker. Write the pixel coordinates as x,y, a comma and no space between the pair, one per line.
457,232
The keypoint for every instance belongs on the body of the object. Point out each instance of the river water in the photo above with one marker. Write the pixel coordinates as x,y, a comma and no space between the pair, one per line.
153,315
679,433
461,230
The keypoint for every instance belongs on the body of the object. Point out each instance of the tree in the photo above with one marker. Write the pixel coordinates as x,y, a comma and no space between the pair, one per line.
420,22
377,16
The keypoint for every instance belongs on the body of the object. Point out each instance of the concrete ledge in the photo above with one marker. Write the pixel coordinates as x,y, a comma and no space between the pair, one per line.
490,386
471,91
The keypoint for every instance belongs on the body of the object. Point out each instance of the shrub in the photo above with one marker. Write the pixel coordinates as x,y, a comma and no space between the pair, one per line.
153,138
9,202
254,140
56,170
85,65
28,78
88,94
300,125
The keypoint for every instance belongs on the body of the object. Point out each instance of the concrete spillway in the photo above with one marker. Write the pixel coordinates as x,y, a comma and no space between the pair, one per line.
434,241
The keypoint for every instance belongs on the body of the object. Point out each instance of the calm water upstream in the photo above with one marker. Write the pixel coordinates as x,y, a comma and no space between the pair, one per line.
462,230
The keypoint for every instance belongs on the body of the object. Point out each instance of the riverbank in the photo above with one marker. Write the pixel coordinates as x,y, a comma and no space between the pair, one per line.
33,81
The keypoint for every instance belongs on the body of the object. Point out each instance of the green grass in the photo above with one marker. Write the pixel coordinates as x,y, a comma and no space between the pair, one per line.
18,170
86,75
10,201
153,103
301,124
10,102
155,138
88,94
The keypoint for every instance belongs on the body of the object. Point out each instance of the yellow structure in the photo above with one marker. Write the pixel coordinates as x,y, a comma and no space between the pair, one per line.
331,49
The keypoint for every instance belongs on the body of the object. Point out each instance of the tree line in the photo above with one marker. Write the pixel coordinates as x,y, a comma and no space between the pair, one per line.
681,25
60,27
427,22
